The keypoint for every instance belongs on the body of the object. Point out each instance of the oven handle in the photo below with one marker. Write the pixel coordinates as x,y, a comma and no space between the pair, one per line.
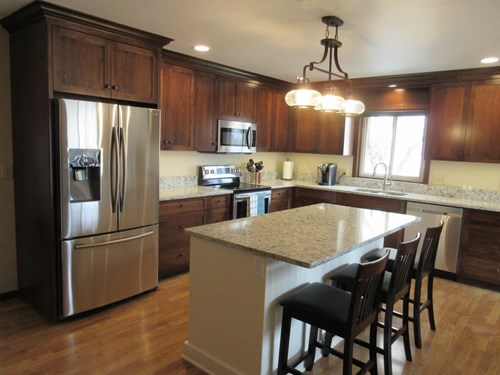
249,137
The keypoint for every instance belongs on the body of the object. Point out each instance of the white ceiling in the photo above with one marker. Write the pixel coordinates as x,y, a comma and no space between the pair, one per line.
278,37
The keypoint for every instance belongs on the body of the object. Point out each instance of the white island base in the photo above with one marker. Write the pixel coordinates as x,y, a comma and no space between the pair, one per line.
234,312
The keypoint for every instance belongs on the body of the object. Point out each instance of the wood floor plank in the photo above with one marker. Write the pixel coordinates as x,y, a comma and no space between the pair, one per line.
145,335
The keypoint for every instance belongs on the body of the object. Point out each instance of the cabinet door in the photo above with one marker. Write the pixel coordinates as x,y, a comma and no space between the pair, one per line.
205,127
306,130
331,133
245,100
264,117
483,128
479,257
134,73
447,122
282,124
235,99
80,63
177,107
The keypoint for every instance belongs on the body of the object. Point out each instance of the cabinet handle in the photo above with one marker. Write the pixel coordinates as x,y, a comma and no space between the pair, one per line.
107,86
182,226
115,87
181,254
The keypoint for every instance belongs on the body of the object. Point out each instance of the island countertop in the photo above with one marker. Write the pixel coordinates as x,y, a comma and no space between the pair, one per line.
306,236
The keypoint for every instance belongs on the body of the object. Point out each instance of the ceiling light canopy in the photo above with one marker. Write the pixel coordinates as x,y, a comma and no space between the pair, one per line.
331,100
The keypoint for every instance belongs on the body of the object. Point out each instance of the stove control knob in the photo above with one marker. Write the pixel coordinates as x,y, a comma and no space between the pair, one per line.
212,171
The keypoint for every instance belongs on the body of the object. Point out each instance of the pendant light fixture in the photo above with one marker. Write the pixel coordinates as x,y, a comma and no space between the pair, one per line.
331,100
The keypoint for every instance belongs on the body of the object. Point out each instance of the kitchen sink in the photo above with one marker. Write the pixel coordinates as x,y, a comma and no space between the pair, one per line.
383,192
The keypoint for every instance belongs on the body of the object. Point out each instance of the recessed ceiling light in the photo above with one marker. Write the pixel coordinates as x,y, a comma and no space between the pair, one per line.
489,60
201,48
393,85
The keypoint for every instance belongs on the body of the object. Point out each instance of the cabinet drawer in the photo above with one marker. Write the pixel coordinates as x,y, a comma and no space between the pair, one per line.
279,205
181,206
172,227
316,196
218,215
483,218
280,194
484,270
374,203
219,201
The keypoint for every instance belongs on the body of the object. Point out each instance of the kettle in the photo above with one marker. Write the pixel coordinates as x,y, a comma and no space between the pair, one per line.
326,173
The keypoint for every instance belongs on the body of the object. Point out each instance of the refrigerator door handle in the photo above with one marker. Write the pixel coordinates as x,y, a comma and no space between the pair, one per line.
114,169
114,241
123,166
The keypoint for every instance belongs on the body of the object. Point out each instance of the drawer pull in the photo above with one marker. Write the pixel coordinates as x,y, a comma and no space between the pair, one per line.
182,226
181,254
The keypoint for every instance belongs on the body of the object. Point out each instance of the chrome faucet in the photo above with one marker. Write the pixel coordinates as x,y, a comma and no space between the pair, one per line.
385,183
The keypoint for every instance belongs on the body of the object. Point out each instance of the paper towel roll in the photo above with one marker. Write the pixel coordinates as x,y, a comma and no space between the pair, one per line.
287,170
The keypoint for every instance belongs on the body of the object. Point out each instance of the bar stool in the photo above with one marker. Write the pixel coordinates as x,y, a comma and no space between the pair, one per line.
396,285
423,269
334,310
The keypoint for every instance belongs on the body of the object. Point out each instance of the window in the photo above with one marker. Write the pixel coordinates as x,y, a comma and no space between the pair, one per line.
396,139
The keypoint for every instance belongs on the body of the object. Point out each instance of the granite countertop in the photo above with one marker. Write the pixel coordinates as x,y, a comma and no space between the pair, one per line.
306,236
169,193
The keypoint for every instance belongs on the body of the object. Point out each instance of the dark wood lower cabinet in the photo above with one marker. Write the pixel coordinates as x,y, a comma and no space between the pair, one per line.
280,199
175,217
479,257
307,197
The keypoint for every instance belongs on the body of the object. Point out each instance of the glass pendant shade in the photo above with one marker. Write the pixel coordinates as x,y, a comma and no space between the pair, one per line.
353,107
330,102
303,98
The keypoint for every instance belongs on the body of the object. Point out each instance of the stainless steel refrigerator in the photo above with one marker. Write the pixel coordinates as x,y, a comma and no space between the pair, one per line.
109,197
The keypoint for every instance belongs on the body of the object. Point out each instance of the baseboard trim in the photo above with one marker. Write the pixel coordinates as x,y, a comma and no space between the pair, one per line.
9,295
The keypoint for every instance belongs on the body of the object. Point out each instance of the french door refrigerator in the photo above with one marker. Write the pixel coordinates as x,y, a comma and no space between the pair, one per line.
109,198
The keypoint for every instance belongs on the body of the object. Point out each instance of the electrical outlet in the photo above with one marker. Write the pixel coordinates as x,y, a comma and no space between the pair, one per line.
5,172
258,266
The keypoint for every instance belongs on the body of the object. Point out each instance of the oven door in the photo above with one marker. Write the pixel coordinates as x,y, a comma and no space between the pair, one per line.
251,204
236,137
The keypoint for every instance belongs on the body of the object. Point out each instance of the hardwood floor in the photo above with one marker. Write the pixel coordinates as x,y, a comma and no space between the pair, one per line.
145,336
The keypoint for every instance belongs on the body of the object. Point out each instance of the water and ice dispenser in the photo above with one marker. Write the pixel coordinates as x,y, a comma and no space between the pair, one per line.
85,177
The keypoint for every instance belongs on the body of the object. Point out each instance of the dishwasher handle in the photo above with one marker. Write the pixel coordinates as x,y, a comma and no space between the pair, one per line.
432,212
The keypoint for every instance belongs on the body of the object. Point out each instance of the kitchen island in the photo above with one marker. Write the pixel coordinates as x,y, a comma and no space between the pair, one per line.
241,269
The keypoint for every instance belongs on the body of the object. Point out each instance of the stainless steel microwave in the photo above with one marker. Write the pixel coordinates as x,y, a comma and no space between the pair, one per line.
236,137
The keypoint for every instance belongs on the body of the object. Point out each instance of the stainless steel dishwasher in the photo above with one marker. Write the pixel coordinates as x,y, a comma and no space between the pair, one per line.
449,242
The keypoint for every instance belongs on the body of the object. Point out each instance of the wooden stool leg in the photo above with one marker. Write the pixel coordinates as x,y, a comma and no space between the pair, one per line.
373,348
284,343
406,333
327,342
311,350
430,308
416,315
387,340
347,360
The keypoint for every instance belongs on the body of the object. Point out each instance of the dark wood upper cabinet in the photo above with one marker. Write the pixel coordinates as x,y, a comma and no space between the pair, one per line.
204,113
236,99
447,122
483,127
318,132
464,122
177,107
264,118
87,64
282,128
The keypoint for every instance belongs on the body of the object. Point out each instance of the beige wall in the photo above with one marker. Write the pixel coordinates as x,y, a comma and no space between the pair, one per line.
8,274
486,176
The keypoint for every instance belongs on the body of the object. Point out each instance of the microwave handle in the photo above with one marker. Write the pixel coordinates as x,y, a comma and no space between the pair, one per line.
249,137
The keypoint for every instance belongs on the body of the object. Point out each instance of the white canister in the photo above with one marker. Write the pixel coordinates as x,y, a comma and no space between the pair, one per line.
287,170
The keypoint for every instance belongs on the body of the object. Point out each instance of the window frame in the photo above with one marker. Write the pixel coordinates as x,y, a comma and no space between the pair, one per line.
362,142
